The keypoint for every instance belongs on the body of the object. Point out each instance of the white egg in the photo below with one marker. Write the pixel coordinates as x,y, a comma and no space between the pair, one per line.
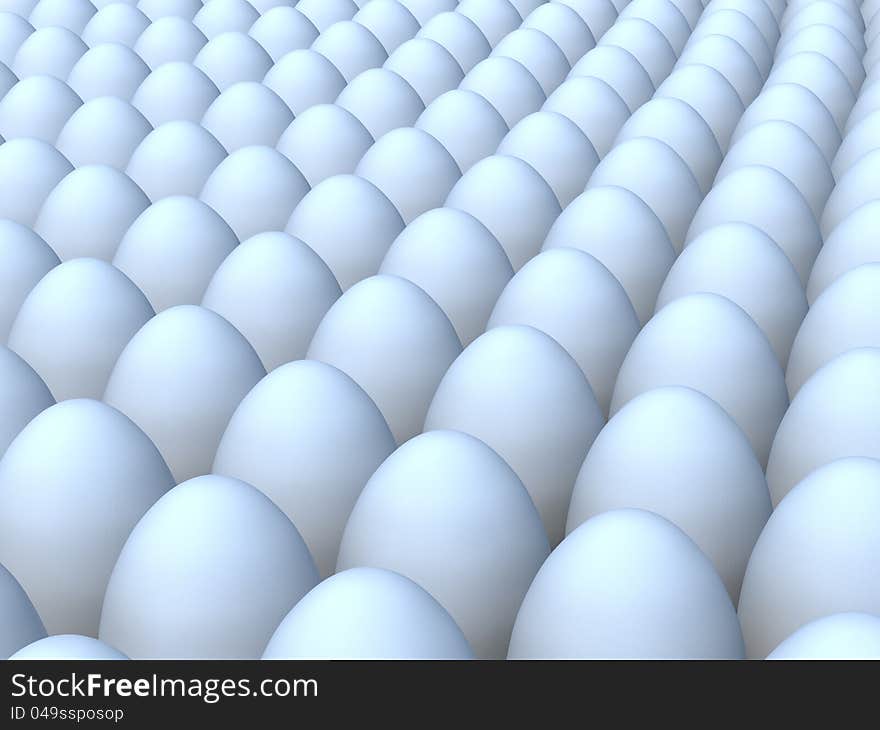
29,171
620,231
538,53
247,113
68,647
382,101
395,619
108,69
169,39
275,290
176,158
424,10
619,69
866,104
38,106
394,341
14,30
512,200
412,169
75,322
52,51
564,26
861,139
70,14
570,296
507,85
283,29
457,261
740,262
467,125
323,13
665,17
740,28
232,57
821,76
255,189
832,44
849,245
681,345
103,131
285,439
809,561
849,635
158,9
855,188
830,14
647,44
116,22
24,260
675,452
520,392
445,511
175,91
730,59
222,550
21,623
459,35
593,106
221,16
323,141
350,47
23,393
427,66
599,15
766,199
72,485
495,18
303,78
354,244
180,378
627,584
654,171
710,94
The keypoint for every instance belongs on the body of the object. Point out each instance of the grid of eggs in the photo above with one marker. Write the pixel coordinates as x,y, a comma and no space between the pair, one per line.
437,329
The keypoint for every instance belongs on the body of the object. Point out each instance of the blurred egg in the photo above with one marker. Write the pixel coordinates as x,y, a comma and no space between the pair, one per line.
445,511
849,635
21,624
72,485
204,546
396,619
275,290
103,131
740,371
381,100
810,559
38,106
174,91
507,85
456,261
352,245
303,78
68,647
285,439
180,378
29,170
520,392
626,584
675,452
384,320
23,394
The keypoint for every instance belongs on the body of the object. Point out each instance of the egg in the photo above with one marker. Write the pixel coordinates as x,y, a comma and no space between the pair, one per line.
520,392
285,438
323,13
849,635
396,619
221,16
70,14
599,16
247,113
512,200
458,263
103,131
424,10
350,47
855,188
323,141
168,40
352,245
68,647
21,624
427,66
832,44
467,125
275,290
740,262
24,260
766,199
538,53
740,28
459,35
29,170
596,109
619,69
157,9
665,17
645,42
626,584
740,371
570,296
175,159
255,189
75,322
809,560
821,76
564,27
116,22
381,100
14,30
862,138
730,59
622,233
108,69
72,485
38,106
507,85
51,50
394,341
282,29
303,78
445,511
176,90
232,57
206,545
495,18
23,393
